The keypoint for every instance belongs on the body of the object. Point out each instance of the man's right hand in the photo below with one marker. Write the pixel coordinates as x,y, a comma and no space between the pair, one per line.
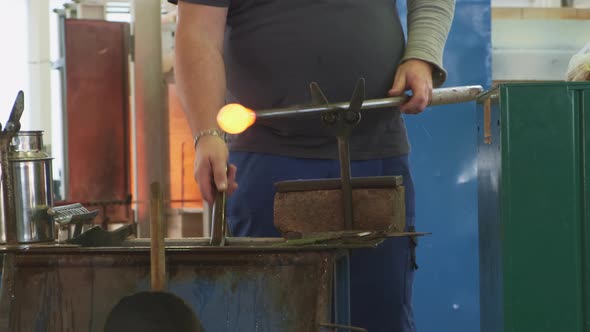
211,168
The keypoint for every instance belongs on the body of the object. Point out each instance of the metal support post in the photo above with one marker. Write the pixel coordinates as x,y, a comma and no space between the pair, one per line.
342,290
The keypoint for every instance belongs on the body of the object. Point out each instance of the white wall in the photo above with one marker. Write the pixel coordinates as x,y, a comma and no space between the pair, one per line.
538,3
14,56
537,49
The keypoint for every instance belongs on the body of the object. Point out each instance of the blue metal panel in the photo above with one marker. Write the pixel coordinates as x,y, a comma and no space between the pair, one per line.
444,159
233,303
245,290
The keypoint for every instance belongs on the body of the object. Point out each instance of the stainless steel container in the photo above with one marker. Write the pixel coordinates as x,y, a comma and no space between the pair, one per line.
32,188
27,141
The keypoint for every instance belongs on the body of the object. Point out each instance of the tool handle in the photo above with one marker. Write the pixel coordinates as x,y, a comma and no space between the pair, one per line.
158,246
218,221
455,95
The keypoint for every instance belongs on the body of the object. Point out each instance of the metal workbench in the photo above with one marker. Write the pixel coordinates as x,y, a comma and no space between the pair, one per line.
233,288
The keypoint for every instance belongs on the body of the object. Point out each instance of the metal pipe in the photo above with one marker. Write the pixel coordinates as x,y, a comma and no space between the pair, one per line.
60,65
442,96
151,151
333,327
346,190
157,244
219,225
182,145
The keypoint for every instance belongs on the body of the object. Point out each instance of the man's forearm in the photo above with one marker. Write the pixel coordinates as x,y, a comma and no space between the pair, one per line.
429,22
200,78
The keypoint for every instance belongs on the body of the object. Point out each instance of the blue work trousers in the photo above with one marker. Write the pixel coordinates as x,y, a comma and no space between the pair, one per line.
380,279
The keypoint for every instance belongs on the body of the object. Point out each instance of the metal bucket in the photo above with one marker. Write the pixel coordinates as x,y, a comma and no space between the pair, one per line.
32,188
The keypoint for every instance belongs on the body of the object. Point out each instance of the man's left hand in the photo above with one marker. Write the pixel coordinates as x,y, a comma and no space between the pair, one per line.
415,75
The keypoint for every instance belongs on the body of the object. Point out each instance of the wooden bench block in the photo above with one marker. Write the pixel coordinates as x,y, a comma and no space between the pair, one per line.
312,206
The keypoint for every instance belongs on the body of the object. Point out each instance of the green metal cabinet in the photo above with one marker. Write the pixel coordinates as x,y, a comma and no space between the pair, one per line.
534,207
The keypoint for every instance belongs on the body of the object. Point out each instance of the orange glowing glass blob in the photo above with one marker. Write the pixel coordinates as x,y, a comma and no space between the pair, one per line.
235,118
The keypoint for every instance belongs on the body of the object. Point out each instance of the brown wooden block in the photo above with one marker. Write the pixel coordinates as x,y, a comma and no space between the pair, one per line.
312,211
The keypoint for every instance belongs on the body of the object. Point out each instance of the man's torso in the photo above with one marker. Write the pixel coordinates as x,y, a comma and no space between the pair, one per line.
275,48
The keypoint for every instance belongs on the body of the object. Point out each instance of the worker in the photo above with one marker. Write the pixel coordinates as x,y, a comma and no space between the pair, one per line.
264,54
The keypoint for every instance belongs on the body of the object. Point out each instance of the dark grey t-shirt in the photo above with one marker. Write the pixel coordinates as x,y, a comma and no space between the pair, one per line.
275,48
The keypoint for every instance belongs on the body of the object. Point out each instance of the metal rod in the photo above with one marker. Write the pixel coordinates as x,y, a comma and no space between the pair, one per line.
333,327
157,253
341,288
126,202
346,190
6,173
182,145
218,229
442,96
63,104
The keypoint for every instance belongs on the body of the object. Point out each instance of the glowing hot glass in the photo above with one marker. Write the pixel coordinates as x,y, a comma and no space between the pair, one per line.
235,118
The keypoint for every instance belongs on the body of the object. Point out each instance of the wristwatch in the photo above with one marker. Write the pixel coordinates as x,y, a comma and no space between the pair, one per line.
210,132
